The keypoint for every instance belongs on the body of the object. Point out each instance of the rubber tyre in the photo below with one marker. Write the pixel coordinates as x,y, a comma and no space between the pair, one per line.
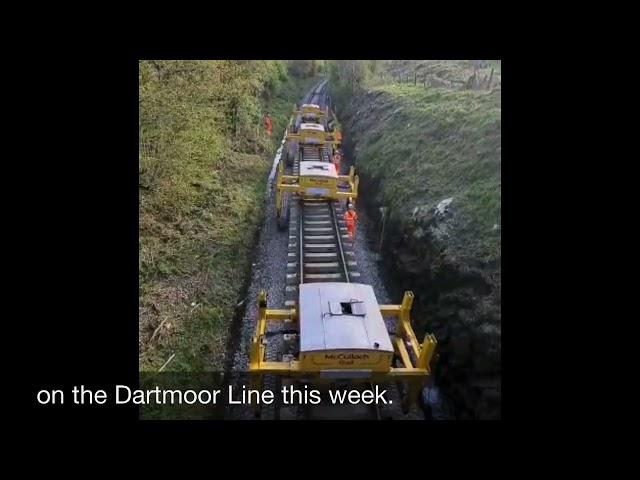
290,155
283,219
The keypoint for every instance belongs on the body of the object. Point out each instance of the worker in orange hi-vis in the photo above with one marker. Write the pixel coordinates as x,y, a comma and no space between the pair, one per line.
268,126
338,138
337,158
350,219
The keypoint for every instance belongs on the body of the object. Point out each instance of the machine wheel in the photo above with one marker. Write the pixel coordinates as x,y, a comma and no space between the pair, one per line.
290,155
283,219
289,158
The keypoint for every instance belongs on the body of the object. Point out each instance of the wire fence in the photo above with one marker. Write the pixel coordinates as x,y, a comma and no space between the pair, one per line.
478,80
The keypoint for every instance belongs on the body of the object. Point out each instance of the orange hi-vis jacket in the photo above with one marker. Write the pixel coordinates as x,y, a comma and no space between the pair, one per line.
350,218
267,124
336,160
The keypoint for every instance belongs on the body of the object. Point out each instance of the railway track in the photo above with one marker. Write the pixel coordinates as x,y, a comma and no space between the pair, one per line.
319,247
319,251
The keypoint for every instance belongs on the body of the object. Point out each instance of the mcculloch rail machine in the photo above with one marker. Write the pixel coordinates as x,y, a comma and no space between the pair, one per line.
332,329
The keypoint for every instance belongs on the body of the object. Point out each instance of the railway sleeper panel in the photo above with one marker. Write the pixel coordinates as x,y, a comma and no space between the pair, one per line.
320,247
318,229
321,256
321,267
324,277
323,239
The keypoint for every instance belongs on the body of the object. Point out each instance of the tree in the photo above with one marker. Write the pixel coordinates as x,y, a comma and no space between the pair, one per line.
301,68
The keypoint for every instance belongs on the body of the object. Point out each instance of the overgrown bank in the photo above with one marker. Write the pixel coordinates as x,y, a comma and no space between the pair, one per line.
203,162
431,157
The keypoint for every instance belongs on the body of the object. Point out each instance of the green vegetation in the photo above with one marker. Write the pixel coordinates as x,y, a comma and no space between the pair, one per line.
459,70
350,77
203,162
423,145
415,146
427,145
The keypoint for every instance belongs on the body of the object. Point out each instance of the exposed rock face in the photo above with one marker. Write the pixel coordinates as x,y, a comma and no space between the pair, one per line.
459,302
458,293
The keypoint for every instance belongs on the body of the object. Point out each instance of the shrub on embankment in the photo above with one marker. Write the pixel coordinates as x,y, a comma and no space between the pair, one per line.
431,157
203,162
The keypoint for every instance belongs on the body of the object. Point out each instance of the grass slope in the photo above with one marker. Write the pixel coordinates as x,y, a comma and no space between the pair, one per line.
203,165
444,70
415,147
425,145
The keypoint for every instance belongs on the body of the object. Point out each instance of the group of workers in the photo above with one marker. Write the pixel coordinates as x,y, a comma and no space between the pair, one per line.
350,216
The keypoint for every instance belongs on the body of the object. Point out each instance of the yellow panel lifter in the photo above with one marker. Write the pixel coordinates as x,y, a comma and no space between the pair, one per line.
341,334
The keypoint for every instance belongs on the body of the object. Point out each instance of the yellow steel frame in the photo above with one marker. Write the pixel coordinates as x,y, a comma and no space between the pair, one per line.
415,374
293,184
308,110
305,136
